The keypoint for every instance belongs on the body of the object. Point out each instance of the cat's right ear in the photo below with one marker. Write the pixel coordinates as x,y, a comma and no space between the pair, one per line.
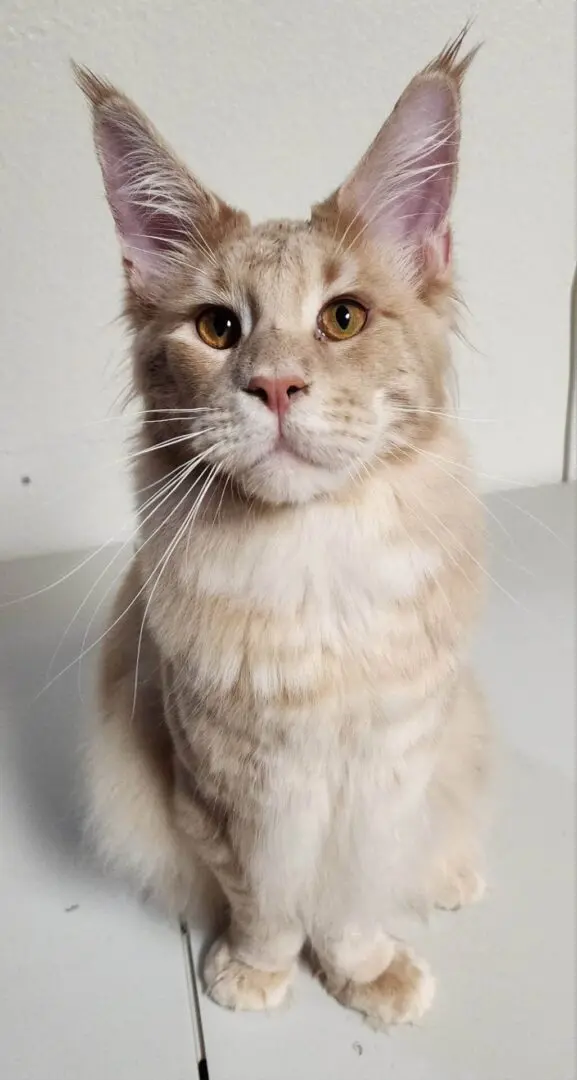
160,210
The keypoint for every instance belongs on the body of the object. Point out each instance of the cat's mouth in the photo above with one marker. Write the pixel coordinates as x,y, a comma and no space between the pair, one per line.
282,448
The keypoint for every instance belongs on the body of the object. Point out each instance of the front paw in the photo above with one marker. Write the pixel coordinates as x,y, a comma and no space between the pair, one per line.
236,985
401,994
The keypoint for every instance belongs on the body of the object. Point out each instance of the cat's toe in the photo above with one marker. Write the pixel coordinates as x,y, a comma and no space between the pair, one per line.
236,985
401,994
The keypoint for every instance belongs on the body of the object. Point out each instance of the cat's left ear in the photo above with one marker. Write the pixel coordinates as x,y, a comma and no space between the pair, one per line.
400,194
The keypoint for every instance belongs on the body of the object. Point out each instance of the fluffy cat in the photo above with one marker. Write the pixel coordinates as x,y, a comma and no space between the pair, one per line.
284,696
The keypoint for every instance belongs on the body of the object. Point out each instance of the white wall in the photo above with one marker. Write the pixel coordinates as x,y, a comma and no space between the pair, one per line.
271,102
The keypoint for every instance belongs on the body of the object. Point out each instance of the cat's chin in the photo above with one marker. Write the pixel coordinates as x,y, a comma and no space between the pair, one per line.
283,477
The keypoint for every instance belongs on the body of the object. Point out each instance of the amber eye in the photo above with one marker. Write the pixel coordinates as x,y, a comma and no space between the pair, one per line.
342,319
218,327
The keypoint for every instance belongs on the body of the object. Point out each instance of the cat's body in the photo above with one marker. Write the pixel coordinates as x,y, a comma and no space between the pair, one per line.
284,695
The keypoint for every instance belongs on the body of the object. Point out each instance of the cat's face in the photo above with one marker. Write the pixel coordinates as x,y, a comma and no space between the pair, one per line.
290,357
316,371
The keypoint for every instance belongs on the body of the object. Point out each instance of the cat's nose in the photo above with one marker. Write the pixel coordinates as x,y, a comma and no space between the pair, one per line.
276,394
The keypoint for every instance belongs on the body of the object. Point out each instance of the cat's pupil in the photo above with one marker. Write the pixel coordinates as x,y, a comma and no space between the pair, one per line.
343,316
221,322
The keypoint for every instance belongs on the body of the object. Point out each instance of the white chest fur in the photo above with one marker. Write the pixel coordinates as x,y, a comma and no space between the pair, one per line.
325,565
282,598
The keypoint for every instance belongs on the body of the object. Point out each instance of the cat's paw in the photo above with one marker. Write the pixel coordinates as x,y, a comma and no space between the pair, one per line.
459,887
236,985
401,994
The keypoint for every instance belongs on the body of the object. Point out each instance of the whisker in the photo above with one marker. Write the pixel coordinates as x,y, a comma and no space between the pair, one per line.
473,558
159,498
130,419
185,526
451,534
497,494
60,580
228,479
161,479
532,517
514,600
175,441
417,410
189,469
216,468
435,459
117,620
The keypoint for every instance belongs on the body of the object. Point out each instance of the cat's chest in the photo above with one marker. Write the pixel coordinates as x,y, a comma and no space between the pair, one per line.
325,566
292,609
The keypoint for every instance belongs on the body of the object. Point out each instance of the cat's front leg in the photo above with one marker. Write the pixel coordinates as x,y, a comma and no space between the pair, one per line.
251,965
375,975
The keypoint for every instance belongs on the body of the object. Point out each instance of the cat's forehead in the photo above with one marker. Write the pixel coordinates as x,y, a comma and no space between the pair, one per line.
278,249
282,266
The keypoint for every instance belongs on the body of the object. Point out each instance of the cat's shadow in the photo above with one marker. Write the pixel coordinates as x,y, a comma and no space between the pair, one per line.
45,731
43,734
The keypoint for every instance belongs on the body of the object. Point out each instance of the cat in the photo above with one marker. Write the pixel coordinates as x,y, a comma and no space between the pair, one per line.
284,695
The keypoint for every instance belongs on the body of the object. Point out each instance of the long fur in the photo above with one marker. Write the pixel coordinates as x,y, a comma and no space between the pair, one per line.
284,695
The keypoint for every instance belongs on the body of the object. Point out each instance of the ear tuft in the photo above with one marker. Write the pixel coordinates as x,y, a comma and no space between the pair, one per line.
97,90
449,62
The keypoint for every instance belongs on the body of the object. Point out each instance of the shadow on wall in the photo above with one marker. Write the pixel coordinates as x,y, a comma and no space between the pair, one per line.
46,703
44,729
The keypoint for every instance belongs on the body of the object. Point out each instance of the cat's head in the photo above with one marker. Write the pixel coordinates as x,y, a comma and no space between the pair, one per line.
296,355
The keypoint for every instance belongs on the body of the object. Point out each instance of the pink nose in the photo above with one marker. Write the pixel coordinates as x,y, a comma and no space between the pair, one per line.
276,394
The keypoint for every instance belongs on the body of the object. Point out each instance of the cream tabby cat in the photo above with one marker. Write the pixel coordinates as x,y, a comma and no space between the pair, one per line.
283,689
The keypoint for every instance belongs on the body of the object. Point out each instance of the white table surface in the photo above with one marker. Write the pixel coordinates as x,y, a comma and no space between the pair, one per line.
95,987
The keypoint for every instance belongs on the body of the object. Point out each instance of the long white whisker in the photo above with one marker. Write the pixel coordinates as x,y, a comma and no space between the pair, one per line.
212,474
60,580
417,410
496,494
189,468
119,617
225,467
476,561
532,517
178,439
161,480
435,460
157,499
448,552
186,525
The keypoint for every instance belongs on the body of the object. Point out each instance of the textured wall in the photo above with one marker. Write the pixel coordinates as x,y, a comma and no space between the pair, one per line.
271,102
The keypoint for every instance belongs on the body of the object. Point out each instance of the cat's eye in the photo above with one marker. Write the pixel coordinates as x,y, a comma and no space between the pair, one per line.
342,319
218,327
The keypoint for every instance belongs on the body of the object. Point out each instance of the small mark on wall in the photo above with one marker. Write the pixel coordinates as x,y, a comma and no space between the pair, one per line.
73,907
25,480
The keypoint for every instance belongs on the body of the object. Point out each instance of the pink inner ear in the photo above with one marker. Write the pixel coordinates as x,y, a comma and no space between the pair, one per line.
426,182
404,185
146,203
